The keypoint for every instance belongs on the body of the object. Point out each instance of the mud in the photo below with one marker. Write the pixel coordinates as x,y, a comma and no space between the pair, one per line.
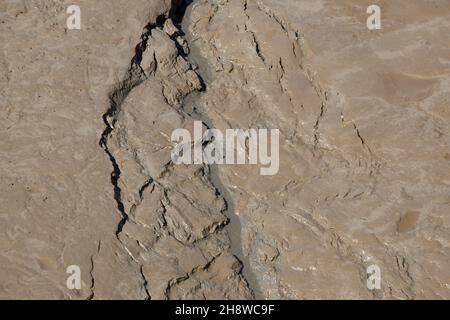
86,176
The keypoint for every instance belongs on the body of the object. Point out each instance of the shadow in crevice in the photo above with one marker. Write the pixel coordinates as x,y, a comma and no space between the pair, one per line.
179,10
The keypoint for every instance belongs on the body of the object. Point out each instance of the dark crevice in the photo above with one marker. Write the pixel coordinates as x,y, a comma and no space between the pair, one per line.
91,273
179,10
116,99
134,77
145,283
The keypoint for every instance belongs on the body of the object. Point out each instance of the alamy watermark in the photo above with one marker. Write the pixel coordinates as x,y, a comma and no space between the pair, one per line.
235,146
74,280
373,277
73,21
374,19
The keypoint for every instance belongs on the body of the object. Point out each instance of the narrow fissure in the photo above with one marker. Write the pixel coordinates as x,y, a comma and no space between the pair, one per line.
134,76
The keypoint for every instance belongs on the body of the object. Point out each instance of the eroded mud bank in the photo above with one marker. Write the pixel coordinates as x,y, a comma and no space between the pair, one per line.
86,177
169,213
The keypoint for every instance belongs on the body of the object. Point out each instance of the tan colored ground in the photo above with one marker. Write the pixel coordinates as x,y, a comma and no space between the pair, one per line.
364,149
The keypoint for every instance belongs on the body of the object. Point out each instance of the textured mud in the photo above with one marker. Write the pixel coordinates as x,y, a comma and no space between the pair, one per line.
86,176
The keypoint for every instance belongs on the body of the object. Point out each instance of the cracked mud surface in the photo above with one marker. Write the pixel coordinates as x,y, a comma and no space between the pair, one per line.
86,176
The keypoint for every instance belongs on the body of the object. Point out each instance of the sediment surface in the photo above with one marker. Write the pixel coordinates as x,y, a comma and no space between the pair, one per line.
87,179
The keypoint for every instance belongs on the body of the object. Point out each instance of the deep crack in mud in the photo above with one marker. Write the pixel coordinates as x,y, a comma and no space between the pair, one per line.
133,78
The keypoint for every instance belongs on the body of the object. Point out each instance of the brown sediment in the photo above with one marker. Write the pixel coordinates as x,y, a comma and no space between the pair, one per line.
364,138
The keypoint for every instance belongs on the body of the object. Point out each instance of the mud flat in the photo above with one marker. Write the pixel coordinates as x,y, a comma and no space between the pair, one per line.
86,176
158,233
348,194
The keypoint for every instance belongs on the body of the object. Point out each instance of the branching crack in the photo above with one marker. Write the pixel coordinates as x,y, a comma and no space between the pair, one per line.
134,77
